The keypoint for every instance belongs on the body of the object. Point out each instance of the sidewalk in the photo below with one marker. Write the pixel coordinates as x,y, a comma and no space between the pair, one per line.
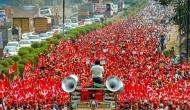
173,42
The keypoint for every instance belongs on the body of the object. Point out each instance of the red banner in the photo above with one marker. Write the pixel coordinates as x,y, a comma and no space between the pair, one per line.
13,69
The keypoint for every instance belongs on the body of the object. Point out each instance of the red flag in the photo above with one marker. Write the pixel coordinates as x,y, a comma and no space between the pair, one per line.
41,60
13,69
27,68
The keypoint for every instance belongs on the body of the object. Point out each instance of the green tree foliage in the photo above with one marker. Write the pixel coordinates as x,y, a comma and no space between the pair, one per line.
180,18
165,2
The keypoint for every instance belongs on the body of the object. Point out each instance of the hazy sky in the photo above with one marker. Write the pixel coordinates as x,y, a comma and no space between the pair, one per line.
3,1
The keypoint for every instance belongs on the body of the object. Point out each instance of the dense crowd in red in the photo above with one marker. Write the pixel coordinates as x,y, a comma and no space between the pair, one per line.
130,53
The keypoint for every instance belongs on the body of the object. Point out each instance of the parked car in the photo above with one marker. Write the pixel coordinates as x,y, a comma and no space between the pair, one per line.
92,19
97,19
50,33
75,25
34,38
14,43
10,51
44,36
65,29
98,16
25,35
81,22
75,22
57,30
25,43
69,21
87,21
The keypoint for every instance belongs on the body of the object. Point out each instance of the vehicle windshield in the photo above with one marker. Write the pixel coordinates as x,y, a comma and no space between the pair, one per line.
24,42
33,37
12,44
67,21
43,35
87,20
98,16
10,49
50,33
44,12
74,20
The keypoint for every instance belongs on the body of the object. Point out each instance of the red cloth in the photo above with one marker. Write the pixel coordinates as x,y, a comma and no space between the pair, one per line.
13,69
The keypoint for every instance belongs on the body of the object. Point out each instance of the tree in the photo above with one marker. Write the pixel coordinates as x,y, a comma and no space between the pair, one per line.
181,8
165,2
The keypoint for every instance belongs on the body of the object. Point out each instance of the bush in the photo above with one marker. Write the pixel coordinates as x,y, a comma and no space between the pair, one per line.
29,57
59,36
44,43
44,50
10,61
21,68
5,63
15,58
165,2
35,58
23,51
166,53
36,45
5,70
23,61
1,67
71,36
81,30
75,32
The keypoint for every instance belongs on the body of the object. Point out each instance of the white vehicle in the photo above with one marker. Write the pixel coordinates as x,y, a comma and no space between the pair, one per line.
45,12
25,43
44,36
75,22
115,9
34,38
57,30
75,25
87,21
98,16
65,29
10,51
25,35
50,33
68,23
92,19
14,43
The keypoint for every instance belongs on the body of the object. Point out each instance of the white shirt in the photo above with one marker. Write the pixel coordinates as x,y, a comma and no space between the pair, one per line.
97,71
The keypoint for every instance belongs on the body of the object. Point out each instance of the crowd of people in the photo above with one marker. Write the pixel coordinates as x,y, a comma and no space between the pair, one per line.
129,50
